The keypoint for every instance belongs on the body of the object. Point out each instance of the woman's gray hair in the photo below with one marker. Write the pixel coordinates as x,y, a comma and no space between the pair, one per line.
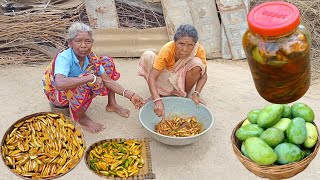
186,30
76,28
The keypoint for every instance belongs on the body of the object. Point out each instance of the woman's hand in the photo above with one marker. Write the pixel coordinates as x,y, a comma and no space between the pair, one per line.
99,82
159,108
197,99
137,101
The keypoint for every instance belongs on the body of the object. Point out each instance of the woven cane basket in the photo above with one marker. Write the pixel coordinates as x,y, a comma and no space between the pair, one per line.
144,173
275,171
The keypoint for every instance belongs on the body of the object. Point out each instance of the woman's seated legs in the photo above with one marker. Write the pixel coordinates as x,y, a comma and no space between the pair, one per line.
87,123
192,76
79,101
195,68
145,64
112,105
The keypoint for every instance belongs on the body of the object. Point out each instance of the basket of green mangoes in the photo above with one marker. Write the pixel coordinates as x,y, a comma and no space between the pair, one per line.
277,141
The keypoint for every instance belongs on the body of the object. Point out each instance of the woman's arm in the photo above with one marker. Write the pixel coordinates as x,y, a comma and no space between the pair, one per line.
154,74
200,84
158,104
136,100
64,83
201,81
115,87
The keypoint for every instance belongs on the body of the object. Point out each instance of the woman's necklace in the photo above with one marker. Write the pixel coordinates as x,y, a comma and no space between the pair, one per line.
81,64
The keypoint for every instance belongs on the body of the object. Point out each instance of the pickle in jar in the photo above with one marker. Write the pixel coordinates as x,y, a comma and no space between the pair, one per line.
256,56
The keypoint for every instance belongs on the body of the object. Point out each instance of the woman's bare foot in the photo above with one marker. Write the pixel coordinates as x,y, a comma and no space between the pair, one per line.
118,109
89,125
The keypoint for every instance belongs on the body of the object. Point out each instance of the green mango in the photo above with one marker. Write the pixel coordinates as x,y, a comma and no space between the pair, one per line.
286,140
283,124
259,151
297,105
249,130
243,150
288,153
272,136
302,110
245,122
270,115
252,116
312,136
297,131
287,111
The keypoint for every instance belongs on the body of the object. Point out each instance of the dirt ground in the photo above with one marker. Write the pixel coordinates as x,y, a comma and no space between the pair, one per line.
229,93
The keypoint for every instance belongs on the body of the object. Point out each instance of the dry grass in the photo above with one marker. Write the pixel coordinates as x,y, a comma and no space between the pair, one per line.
138,17
310,17
35,35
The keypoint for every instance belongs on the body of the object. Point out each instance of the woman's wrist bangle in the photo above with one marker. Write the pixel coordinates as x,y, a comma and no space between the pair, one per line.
197,92
123,92
132,96
158,99
94,78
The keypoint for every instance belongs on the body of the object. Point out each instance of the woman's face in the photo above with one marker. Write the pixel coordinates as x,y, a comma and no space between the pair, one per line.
184,47
82,44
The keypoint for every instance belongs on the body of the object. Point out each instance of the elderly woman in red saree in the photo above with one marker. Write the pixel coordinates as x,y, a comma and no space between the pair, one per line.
179,66
76,75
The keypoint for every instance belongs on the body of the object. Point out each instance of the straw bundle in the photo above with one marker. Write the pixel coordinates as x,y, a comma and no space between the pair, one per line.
36,35
138,17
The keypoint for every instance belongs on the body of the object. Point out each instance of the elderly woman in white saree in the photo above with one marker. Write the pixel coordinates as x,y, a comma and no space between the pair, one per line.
179,66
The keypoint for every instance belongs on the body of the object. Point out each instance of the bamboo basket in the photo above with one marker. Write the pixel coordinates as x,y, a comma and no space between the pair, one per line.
144,173
275,171
26,118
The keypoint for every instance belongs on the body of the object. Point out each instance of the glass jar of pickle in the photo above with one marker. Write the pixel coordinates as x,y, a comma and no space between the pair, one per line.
277,47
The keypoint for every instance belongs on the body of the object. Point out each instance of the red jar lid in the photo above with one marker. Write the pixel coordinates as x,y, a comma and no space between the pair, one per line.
273,18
